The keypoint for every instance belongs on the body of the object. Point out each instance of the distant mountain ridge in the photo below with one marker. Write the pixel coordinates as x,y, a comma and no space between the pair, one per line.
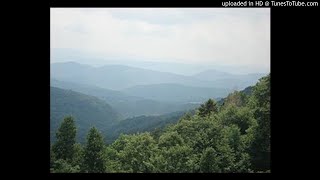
118,77
176,66
228,80
212,74
176,92
126,105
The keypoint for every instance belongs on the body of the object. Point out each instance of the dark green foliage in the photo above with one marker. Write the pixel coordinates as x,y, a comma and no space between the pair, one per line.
62,166
208,108
78,154
132,153
261,106
260,103
239,145
66,138
210,162
142,124
94,158
240,116
65,154
173,153
170,138
248,90
174,159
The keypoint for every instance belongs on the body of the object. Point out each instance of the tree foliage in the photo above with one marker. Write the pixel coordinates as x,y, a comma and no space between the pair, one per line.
208,108
230,139
66,138
260,105
94,159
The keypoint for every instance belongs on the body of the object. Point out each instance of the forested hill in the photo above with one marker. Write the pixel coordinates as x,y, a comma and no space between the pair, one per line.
231,138
142,124
91,111
237,95
87,110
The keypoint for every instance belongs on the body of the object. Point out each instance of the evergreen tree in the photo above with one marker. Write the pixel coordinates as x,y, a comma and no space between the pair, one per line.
66,138
78,155
208,108
94,161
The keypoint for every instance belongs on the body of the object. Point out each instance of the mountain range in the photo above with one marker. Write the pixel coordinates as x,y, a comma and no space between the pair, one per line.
119,77
124,99
126,105
169,92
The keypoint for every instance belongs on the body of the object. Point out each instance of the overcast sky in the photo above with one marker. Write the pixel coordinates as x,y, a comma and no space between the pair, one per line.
226,36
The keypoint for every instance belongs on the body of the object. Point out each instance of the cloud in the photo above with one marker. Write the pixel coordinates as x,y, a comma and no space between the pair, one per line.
228,36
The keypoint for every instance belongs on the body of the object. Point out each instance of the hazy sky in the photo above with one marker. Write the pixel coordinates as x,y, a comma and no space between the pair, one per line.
226,36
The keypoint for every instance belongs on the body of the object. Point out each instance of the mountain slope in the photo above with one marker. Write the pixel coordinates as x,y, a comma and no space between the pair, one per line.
126,105
142,124
87,110
243,94
109,95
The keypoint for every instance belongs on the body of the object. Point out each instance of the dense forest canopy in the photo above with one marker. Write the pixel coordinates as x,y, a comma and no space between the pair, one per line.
229,136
